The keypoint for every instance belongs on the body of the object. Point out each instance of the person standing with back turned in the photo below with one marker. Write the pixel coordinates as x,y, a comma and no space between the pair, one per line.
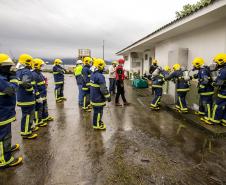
120,77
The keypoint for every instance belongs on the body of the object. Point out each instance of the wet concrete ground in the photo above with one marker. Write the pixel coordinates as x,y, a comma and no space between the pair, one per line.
139,147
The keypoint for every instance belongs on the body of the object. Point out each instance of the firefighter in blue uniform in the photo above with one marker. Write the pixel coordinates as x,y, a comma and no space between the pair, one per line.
41,109
58,74
205,89
79,79
26,97
8,86
98,93
219,110
157,84
182,86
86,73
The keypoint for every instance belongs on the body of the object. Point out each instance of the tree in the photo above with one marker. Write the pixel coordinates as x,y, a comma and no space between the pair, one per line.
189,8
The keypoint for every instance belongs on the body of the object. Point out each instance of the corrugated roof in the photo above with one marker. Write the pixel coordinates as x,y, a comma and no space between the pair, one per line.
171,23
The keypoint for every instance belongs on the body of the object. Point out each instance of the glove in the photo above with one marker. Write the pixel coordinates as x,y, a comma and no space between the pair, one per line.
39,100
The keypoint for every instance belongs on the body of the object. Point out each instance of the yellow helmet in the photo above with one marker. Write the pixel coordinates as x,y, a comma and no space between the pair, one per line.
154,61
115,62
25,59
5,60
167,68
38,63
99,64
220,58
87,60
57,61
176,67
198,62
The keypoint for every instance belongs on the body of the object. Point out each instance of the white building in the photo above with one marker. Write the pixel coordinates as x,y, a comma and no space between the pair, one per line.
199,34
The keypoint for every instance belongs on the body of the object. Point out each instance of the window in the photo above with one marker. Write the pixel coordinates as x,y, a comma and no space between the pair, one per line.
146,57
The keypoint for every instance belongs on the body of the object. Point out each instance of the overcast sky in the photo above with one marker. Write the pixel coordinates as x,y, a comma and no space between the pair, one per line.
57,28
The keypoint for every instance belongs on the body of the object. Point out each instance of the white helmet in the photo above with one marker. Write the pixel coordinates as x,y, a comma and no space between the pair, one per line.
79,62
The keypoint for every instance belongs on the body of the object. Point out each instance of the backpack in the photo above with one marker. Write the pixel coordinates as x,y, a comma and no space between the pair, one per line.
119,72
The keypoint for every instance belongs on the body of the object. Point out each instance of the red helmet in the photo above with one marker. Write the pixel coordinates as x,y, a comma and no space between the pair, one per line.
121,61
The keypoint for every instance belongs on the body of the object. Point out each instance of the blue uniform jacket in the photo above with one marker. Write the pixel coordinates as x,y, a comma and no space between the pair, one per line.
221,82
98,89
7,100
205,86
40,83
86,74
58,74
158,81
27,87
181,84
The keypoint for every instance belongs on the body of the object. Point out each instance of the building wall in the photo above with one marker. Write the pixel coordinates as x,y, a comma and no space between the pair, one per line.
205,42
147,61
127,64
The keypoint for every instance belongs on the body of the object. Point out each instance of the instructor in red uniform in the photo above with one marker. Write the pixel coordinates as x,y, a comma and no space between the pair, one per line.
120,77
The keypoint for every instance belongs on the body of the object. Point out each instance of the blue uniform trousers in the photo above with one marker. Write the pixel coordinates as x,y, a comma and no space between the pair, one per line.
181,101
157,97
80,95
112,85
219,111
86,99
5,143
205,105
45,113
38,113
59,91
97,115
27,119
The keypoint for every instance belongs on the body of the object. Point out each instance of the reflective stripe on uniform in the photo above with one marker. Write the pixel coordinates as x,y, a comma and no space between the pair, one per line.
202,86
208,111
2,94
223,120
25,103
215,121
55,73
207,93
84,103
31,89
2,156
85,89
183,90
156,103
7,121
14,81
89,75
27,124
98,104
33,82
107,95
98,120
41,83
37,93
88,84
94,85
221,96
157,86
36,117
56,83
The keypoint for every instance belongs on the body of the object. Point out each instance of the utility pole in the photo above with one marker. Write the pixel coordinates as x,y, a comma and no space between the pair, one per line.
103,49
